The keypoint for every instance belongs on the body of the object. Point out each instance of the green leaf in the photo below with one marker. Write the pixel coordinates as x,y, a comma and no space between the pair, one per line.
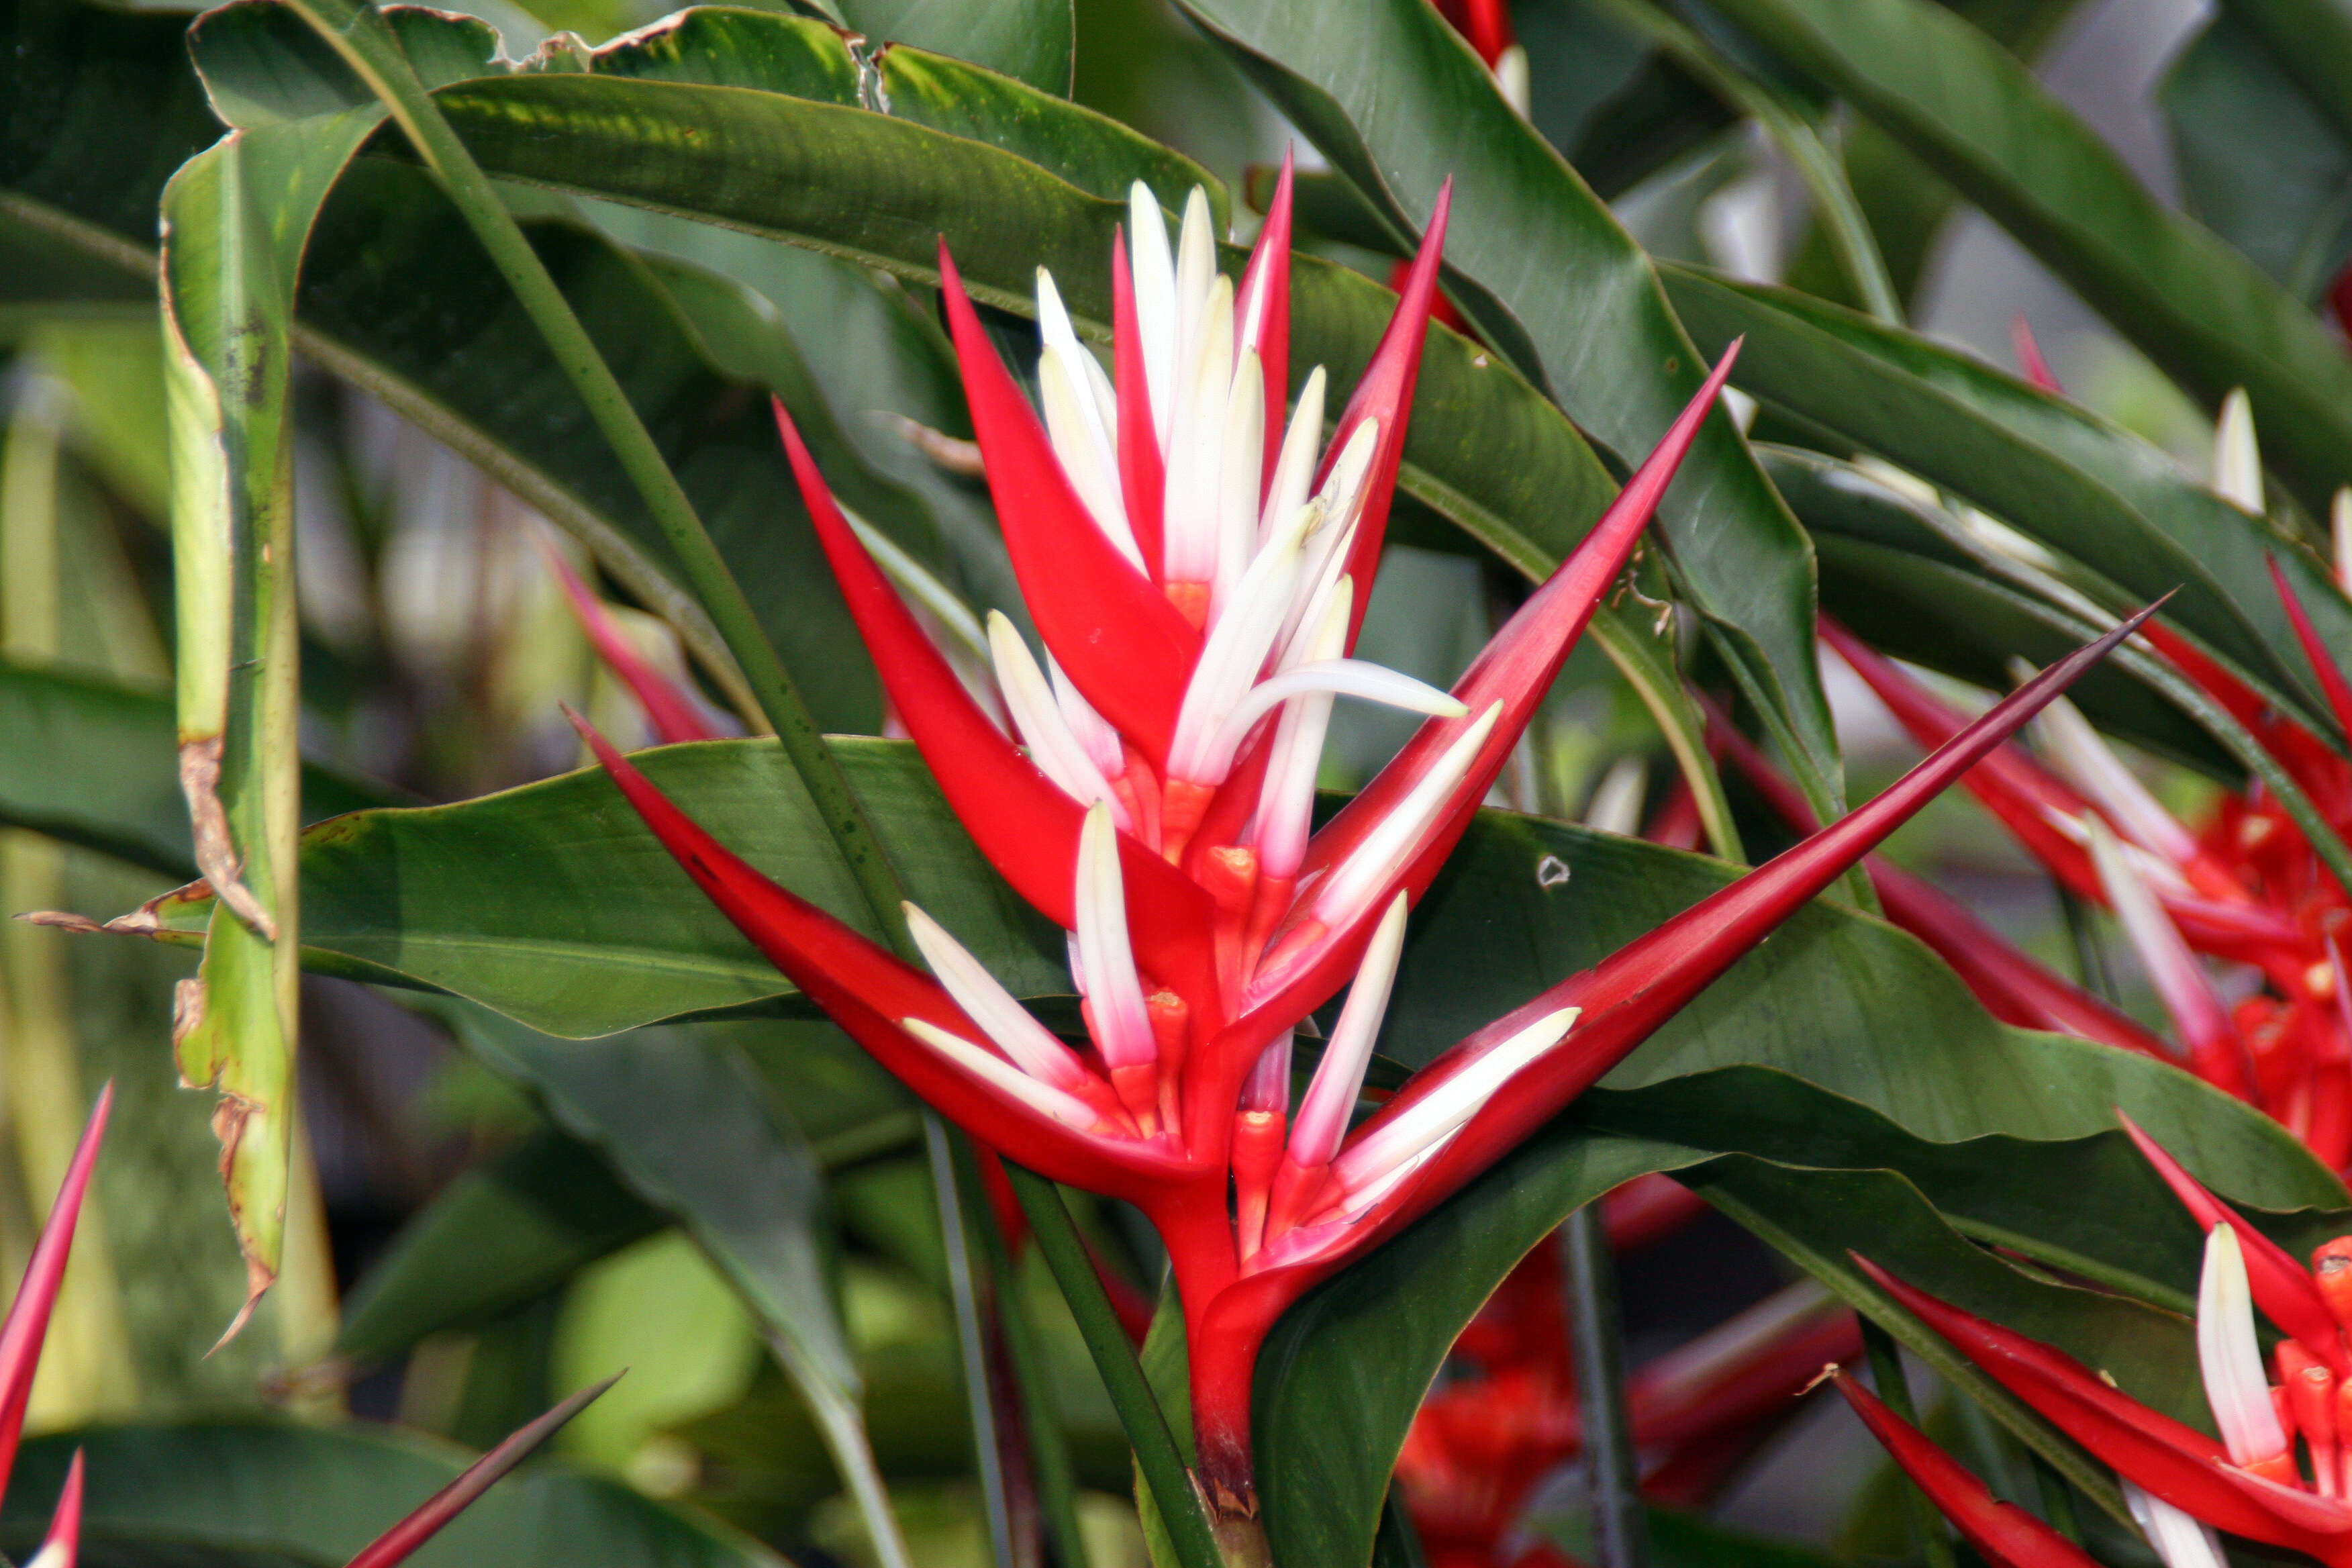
1977,116
2259,163
2313,44
1906,589
1034,42
236,220
1399,104
589,926
493,1239
88,760
314,1496
524,1222
2072,480
684,1120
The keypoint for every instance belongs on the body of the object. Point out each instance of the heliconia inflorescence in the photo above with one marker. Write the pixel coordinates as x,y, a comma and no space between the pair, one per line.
1198,568
2277,1475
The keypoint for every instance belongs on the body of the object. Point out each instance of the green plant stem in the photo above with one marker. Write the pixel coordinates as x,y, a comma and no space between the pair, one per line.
1895,1391
1596,1328
2057,1502
987,1455
1049,1445
2090,959
1156,1453
360,34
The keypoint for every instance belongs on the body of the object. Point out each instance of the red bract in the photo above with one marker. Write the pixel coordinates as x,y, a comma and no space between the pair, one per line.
2180,1482
2247,888
1160,812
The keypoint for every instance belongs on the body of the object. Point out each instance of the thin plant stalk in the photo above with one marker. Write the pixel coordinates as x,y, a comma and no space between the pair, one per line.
1597,1329
1894,1393
1049,1445
972,1347
1156,1453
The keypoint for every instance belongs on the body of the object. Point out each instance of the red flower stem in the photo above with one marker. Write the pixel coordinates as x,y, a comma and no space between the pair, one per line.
1894,1393
1596,1325
1156,1453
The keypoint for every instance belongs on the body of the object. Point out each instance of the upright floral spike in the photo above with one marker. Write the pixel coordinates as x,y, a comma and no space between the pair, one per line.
2314,647
1448,1123
1205,932
2237,458
2195,1007
27,1323
2029,362
2005,1534
400,1541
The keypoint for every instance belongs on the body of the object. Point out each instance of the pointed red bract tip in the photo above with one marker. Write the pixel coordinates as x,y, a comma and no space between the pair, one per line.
1117,635
395,1544
2029,362
27,1323
2280,1287
1629,994
1385,392
670,713
2315,648
62,1546
2002,1533
1266,320
1515,670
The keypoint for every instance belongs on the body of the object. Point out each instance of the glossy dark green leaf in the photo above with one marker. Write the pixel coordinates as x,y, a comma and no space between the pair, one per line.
2259,163
1033,41
553,905
1399,104
526,1221
2074,482
1908,590
1978,117
315,1496
90,761
2313,44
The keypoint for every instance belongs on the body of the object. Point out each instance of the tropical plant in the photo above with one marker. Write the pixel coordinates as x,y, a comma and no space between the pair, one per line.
1020,1069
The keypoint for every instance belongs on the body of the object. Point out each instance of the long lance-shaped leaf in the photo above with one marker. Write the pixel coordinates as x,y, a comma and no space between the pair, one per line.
1974,113
2004,1532
868,991
1627,996
1123,644
2012,987
397,1544
1513,671
1385,394
2153,1451
27,1323
1025,826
